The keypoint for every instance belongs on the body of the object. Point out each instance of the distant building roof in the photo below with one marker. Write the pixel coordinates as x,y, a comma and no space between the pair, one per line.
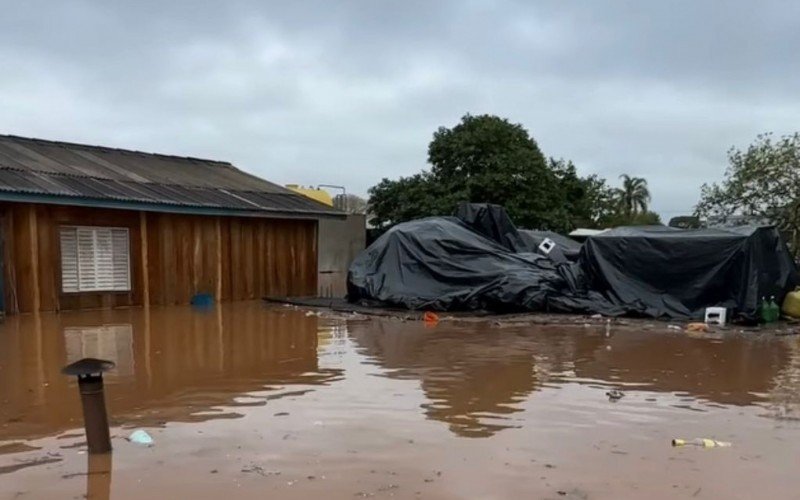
58,172
320,195
585,233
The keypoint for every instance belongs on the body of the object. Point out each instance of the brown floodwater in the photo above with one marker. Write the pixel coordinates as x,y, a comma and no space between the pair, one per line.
251,401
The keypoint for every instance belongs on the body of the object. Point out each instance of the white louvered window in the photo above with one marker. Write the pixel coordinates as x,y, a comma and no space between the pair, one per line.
95,259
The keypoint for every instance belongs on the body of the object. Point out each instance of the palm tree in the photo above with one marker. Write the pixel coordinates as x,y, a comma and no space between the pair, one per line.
634,196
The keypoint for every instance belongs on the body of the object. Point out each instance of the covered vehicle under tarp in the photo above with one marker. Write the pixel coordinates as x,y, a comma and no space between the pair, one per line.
673,273
441,263
480,261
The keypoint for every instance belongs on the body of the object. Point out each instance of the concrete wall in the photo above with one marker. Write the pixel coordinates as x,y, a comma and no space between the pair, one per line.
339,243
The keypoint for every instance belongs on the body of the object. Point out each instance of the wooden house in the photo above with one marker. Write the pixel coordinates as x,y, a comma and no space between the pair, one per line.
85,227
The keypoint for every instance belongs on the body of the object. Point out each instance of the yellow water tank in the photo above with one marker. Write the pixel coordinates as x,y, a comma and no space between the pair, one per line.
791,304
320,195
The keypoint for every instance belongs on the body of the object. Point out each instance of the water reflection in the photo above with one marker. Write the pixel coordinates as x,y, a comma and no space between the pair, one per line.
111,342
174,364
732,371
98,476
473,378
476,376
178,364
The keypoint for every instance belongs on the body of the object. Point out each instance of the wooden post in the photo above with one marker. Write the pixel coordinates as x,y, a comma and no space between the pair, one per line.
147,364
218,298
34,246
145,271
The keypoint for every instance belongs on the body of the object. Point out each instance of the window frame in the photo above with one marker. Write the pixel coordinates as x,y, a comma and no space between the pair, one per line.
128,256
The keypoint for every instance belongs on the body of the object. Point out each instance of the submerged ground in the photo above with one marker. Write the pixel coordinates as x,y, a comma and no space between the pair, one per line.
254,401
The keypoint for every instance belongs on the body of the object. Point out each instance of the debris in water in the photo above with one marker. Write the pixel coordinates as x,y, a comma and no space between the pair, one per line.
260,470
141,436
701,442
282,414
615,395
697,327
430,318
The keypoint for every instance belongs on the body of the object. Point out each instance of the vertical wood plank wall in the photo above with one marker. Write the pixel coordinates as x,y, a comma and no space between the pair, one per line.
172,257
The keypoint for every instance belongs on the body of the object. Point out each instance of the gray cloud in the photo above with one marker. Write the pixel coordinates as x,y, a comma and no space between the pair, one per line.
350,92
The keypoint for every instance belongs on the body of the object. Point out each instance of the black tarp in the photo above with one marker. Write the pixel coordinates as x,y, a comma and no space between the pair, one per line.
678,273
568,246
493,222
441,263
480,261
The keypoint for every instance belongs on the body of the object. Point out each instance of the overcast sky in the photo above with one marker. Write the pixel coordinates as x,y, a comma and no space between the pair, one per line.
350,92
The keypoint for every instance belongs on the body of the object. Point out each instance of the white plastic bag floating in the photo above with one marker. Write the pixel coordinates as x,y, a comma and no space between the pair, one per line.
140,436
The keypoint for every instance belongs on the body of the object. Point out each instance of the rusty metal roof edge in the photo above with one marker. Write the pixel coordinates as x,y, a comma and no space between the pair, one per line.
67,144
59,199
288,193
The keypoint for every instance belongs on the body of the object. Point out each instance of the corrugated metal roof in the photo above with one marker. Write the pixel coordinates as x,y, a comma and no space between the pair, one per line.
48,168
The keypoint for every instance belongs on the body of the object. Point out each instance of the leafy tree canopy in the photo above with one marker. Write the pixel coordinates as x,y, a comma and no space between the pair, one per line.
761,182
487,159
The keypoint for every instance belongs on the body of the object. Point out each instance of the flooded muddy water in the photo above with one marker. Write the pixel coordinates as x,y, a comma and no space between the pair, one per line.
252,401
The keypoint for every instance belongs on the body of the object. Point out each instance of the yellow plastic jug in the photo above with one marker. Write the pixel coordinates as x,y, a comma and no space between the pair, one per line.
791,304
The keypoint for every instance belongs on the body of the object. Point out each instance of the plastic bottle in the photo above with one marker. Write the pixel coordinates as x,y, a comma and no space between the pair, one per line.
702,442
775,309
763,310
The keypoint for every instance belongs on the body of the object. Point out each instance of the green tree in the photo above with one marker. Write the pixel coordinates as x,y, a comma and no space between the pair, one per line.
762,182
404,199
588,201
620,218
487,159
483,159
633,196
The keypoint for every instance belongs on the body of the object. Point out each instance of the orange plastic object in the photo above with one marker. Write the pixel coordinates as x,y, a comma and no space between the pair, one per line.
430,318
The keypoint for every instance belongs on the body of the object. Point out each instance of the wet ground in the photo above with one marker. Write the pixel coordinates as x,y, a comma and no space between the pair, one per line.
254,401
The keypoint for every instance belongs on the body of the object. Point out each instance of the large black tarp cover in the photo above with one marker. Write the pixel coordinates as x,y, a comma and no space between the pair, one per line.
478,260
